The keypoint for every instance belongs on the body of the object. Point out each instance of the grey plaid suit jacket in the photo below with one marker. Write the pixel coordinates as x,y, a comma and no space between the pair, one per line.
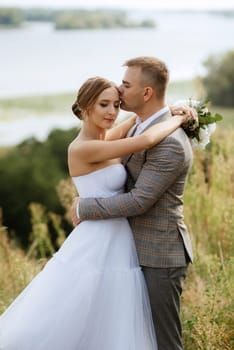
153,201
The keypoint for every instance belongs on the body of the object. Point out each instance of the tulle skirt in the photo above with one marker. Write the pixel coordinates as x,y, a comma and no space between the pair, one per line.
91,295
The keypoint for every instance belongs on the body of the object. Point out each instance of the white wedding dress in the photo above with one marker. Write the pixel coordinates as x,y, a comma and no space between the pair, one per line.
91,295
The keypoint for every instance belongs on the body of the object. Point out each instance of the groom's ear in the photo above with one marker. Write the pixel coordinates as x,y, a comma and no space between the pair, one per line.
148,91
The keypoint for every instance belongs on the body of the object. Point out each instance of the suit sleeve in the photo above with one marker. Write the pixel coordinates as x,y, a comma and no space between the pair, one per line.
163,164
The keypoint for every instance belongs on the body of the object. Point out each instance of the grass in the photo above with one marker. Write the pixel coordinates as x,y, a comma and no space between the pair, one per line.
209,211
16,269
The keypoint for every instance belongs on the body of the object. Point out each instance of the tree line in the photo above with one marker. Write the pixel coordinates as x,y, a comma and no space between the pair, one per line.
73,19
30,173
219,80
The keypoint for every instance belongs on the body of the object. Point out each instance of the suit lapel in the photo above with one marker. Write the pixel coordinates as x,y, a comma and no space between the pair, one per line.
160,119
129,134
132,130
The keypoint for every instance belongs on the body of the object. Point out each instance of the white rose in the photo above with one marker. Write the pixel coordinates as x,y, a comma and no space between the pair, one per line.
211,128
204,136
205,110
196,144
194,103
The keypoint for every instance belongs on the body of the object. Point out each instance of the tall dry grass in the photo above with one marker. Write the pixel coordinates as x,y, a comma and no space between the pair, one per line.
207,308
209,212
16,269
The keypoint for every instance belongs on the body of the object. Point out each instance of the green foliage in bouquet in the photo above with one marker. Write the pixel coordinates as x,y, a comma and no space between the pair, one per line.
205,117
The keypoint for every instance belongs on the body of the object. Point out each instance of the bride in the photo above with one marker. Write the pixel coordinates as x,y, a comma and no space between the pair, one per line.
91,295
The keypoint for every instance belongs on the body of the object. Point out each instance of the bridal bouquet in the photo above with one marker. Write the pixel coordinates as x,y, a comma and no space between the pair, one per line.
200,134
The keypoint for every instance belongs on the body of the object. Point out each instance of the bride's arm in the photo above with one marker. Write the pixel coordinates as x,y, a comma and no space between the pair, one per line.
120,131
97,151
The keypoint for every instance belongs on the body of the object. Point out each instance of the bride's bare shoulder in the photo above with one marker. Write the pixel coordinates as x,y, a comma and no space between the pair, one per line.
76,144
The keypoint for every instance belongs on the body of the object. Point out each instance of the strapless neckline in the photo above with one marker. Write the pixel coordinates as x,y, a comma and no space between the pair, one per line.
103,182
98,170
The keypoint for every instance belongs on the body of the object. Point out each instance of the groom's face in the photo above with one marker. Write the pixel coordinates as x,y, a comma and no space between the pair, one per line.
131,90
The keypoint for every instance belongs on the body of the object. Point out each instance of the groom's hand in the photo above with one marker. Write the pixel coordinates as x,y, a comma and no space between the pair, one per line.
75,219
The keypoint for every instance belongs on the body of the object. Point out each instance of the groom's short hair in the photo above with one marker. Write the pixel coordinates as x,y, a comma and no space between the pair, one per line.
154,73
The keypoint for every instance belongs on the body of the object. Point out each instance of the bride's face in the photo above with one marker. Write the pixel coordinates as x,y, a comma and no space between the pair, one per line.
105,110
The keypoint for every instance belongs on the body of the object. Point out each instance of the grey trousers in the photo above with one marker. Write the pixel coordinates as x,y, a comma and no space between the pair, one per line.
165,288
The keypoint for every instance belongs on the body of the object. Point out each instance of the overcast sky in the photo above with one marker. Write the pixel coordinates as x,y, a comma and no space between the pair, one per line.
141,4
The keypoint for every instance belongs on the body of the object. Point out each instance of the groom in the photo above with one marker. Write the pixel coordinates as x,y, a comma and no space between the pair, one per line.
153,201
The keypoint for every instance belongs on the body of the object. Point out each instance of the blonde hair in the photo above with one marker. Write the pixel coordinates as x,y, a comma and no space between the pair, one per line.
154,73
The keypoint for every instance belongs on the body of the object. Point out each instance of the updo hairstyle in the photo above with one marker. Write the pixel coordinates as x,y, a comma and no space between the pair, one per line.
89,93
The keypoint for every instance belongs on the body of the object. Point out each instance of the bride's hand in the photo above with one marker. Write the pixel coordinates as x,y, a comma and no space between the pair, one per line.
190,115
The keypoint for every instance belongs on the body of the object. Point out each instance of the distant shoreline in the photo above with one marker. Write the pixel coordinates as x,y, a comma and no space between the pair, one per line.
59,103
69,18
73,19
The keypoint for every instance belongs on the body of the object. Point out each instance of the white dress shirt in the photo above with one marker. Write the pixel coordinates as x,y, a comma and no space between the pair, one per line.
143,125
